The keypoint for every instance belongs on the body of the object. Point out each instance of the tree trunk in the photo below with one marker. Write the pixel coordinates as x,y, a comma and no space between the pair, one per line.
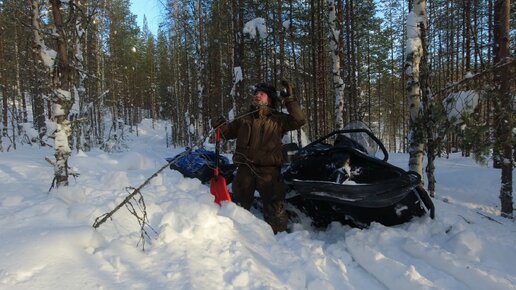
314,103
200,72
238,53
62,98
338,83
354,63
349,71
428,103
504,115
17,96
38,109
281,36
3,86
321,69
415,22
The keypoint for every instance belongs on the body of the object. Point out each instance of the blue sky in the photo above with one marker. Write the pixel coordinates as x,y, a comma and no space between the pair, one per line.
151,9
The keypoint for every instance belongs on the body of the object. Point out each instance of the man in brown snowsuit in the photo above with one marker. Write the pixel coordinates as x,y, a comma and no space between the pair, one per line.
258,151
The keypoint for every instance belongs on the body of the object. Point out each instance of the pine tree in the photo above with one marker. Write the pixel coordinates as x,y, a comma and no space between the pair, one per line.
122,47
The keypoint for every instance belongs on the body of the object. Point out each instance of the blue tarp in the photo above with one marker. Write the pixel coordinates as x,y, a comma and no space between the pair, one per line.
198,163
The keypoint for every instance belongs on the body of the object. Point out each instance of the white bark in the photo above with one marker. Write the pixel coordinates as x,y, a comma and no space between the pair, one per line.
62,98
416,21
338,82
47,55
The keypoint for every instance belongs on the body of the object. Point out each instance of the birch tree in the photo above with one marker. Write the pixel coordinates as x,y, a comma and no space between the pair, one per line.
238,52
200,69
62,97
416,25
338,83
58,65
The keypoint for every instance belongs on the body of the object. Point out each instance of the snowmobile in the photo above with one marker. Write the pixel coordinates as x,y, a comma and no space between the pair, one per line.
338,177
343,181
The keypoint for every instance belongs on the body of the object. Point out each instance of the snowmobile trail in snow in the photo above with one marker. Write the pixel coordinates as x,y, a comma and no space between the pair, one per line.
417,263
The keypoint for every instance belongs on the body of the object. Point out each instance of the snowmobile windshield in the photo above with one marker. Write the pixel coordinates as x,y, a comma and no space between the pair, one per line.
369,145
356,136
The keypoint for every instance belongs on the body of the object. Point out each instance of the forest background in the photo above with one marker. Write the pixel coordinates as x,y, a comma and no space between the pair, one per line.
81,73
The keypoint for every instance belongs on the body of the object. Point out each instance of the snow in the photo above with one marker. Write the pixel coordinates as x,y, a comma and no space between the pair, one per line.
412,25
231,115
48,56
414,48
237,74
29,131
286,24
57,110
75,109
460,104
61,137
256,28
469,75
63,94
48,241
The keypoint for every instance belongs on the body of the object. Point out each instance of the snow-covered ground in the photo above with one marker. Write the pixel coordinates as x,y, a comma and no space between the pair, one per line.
48,242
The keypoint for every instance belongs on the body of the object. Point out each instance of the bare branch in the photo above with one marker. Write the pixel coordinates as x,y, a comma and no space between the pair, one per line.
103,218
505,62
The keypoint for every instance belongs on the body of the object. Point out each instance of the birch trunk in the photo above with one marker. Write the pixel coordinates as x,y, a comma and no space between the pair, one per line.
238,54
62,98
281,36
338,82
416,21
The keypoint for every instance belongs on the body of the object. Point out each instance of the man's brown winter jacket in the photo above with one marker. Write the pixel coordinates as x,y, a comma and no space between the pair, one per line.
258,136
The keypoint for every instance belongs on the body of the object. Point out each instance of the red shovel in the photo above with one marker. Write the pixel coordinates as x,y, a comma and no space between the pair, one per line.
218,185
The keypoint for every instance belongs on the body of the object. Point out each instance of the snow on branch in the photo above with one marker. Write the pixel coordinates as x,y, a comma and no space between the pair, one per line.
48,56
460,104
470,77
256,28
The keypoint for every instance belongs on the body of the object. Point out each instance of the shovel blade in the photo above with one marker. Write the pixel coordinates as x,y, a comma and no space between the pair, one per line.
219,189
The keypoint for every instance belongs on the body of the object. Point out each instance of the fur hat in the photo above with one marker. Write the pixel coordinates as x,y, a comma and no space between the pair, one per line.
270,91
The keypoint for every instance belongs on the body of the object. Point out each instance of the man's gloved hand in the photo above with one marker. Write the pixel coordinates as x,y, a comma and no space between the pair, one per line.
288,89
218,122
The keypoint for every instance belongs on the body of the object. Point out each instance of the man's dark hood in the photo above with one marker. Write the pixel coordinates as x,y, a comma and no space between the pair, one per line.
271,93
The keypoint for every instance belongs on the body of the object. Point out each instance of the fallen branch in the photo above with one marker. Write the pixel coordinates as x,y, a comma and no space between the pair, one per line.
142,219
466,220
489,218
103,218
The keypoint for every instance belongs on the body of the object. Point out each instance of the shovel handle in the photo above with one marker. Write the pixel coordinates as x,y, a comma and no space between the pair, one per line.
217,151
218,185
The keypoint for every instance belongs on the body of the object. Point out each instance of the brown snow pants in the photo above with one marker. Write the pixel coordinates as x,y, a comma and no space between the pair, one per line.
267,181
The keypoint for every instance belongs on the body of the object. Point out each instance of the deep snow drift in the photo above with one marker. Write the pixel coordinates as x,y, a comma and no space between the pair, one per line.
47,241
